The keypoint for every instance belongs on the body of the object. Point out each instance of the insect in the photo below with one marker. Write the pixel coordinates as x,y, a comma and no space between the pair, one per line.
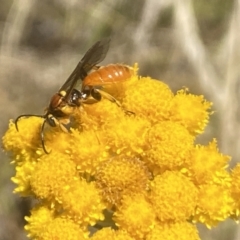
92,77
61,105
93,83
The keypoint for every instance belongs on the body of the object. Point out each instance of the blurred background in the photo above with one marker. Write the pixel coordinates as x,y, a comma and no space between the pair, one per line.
195,44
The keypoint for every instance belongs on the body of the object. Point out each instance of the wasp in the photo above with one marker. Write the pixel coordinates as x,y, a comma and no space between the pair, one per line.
92,77
91,90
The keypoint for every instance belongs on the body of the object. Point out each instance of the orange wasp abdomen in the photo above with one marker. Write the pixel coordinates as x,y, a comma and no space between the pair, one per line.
111,73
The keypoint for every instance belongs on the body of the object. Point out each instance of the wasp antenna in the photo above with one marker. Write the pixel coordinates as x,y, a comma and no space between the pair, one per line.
42,137
16,121
25,115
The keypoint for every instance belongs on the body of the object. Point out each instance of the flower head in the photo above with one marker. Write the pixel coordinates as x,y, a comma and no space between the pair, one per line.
207,164
44,224
148,98
120,135
191,111
136,215
130,164
169,146
40,216
62,229
122,176
171,231
87,150
82,203
24,142
215,204
52,174
110,234
173,196
22,178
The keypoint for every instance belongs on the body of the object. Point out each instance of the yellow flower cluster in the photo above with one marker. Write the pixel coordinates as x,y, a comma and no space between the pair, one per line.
130,172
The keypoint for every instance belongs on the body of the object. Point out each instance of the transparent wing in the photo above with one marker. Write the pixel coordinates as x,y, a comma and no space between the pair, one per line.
93,56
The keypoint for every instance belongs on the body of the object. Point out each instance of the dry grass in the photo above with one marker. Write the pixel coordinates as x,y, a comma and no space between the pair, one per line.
185,43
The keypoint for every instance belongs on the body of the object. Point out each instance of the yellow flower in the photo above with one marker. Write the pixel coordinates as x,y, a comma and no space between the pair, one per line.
52,173
122,176
22,178
169,146
191,111
40,217
148,98
81,202
120,135
110,234
173,231
87,150
129,164
173,196
136,215
24,142
54,138
95,115
215,204
44,225
207,164
62,229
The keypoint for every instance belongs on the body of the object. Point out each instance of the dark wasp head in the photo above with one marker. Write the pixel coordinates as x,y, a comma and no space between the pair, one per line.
75,98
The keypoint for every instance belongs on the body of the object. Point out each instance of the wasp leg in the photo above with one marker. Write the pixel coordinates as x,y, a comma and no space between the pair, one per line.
113,99
63,128
96,67
108,96
42,137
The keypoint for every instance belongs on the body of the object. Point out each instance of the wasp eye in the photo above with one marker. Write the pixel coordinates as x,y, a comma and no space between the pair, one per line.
75,97
51,121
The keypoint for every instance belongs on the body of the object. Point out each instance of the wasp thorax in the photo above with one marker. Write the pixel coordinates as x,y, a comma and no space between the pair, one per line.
56,100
